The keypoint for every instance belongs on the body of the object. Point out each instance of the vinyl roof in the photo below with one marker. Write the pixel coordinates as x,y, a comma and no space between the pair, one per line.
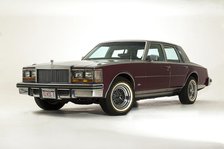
139,41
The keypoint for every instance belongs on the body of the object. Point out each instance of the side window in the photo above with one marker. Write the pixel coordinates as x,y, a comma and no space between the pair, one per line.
127,53
117,52
171,54
155,53
140,53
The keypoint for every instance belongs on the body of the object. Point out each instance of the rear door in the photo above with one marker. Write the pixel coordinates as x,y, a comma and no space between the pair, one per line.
178,69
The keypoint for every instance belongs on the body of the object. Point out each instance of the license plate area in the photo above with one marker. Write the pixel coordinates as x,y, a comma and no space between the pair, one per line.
48,93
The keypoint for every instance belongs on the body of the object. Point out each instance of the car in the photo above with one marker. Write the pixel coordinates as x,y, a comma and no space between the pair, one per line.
115,75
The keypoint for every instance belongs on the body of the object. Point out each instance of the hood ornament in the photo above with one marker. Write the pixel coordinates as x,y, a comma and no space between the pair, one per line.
52,63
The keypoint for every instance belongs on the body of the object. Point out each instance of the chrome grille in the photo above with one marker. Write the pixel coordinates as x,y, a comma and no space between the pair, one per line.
52,76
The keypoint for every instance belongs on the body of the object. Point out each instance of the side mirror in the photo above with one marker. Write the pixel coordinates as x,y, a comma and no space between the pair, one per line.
152,58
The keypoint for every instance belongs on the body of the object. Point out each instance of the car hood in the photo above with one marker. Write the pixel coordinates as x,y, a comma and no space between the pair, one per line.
79,64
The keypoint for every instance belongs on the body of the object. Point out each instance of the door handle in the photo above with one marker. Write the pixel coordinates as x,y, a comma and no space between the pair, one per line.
186,67
167,68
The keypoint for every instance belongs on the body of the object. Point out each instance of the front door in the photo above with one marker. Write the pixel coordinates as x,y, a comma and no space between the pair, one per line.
158,71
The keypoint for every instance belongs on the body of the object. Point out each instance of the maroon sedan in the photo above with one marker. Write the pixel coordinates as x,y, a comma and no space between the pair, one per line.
116,75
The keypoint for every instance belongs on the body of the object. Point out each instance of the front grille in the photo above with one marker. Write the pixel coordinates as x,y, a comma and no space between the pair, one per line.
52,76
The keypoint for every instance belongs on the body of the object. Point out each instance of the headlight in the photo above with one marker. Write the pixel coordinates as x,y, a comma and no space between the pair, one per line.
33,73
26,73
29,74
78,74
87,76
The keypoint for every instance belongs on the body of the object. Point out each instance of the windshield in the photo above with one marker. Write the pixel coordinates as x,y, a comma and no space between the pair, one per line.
117,50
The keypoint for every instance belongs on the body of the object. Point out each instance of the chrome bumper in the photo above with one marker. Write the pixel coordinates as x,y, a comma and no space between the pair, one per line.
208,81
62,91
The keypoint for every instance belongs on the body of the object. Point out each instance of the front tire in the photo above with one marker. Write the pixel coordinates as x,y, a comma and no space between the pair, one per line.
189,92
49,104
119,99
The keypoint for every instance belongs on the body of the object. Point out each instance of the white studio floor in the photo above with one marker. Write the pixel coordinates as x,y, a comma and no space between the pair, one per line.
157,123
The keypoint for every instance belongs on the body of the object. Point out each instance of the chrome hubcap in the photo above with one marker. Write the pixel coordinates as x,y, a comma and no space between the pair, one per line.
192,90
121,97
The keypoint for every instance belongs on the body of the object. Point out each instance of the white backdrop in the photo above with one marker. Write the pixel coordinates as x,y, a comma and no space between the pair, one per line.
36,31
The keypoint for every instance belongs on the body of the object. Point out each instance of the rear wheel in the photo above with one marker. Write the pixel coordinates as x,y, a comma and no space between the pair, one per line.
189,92
119,99
49,104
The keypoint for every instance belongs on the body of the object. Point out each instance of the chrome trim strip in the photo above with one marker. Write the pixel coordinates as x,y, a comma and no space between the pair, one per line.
36,75
160,76
157,91
76,93
65,86
178,75
155,94
55,66
145,50
152,76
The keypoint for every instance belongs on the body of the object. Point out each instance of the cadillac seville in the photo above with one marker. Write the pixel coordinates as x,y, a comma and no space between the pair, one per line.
116,75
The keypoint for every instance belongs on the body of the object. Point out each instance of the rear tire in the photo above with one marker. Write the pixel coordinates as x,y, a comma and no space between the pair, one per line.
49,104
189,92
119,99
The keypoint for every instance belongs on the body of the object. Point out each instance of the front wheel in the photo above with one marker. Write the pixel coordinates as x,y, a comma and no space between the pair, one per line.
119,99
49,104
189,92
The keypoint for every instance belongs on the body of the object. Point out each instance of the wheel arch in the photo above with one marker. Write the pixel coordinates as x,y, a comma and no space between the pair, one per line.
192,74
126,75
195,75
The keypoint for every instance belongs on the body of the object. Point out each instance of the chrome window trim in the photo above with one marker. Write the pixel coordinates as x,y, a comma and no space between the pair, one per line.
149,43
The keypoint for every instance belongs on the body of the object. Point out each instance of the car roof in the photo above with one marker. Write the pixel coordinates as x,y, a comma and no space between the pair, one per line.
162,42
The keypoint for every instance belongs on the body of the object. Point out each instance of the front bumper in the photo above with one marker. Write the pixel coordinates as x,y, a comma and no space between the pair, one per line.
62,91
